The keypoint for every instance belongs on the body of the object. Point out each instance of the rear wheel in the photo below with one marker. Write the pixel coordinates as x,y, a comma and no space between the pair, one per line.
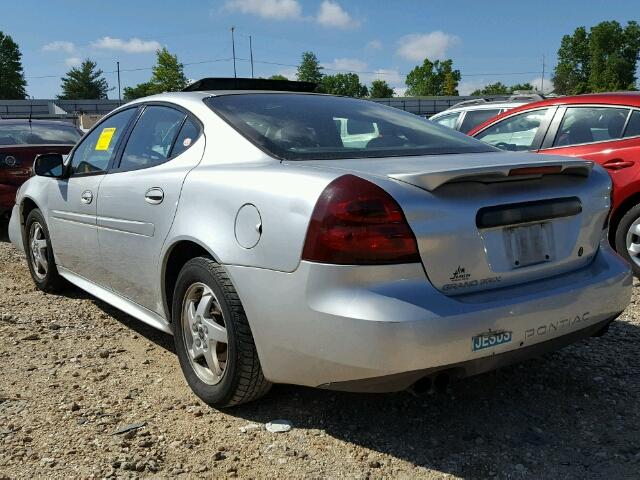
212,337
627,238
40,254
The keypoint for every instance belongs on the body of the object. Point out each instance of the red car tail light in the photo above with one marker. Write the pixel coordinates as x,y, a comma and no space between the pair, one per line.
355,222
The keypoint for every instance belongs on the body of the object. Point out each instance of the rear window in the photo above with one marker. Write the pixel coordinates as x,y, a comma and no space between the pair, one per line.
319,127
38,134
473,118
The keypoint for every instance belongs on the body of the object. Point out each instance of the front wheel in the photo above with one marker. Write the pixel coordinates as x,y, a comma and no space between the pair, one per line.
212,337
627,238
37,246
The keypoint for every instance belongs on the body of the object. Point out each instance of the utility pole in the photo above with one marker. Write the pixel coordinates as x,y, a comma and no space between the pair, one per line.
233,47
542,82
119,96
251,54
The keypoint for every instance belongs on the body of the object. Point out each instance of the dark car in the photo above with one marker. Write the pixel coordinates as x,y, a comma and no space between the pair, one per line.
603,128
20,142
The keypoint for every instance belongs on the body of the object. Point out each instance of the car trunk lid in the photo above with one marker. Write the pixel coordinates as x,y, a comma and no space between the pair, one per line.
488,220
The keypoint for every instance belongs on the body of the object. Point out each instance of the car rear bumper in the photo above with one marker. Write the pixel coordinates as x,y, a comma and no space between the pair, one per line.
381,328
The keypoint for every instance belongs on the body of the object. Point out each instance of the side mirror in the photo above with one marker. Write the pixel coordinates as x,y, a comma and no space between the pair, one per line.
49,165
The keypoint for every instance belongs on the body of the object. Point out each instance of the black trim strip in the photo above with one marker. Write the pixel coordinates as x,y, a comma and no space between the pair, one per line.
526,212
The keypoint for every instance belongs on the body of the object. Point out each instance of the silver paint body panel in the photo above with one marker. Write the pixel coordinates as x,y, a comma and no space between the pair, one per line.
317,324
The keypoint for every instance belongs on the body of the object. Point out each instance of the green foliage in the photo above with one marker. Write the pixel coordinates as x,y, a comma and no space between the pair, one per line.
500,88
380,89
167,76
433,78
141,90
309,69
347,84
12,82
84,83
602,59
168,72
278,77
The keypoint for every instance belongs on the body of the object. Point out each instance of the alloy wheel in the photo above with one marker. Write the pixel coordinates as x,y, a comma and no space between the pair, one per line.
38,247
205,334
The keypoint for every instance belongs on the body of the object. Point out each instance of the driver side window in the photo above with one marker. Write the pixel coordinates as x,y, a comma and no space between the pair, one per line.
152,138
515,133
96,149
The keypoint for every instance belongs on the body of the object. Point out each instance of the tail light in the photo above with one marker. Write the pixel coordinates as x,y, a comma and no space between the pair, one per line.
355,222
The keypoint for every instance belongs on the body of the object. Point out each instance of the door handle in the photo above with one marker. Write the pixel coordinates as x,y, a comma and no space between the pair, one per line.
86,197
618,164
154,196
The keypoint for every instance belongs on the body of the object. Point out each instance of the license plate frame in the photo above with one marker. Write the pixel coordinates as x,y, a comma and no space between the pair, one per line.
529,244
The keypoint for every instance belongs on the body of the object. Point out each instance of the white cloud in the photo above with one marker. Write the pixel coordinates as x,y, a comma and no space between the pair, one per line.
73,61
432,45
546,88
133,45
374,45
291,73
59,46
465,87
346,65
331,14
274,9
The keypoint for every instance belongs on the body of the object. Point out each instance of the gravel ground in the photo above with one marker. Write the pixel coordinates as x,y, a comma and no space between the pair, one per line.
74,371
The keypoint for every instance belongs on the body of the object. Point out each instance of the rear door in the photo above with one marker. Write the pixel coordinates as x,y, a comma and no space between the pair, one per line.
72,200
608,135
138,199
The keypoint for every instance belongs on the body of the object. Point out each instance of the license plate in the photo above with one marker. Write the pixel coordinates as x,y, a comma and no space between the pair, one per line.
491,339
529,244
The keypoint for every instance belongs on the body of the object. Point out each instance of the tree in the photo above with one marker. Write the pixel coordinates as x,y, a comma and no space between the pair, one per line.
309,69
12,82
380,89
278,77
167,76
433,78
500,88
347,84
141,90
602,59
168,72
84,83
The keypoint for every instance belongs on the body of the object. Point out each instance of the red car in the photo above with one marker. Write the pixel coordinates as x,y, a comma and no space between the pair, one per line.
604,128
20,142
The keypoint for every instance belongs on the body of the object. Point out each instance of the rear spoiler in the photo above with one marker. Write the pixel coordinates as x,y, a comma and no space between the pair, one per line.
495,173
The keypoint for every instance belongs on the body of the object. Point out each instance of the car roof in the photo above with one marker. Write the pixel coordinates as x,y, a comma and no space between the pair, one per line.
20,121
480,106
627,99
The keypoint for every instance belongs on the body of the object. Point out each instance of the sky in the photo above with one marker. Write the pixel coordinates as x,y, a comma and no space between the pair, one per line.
488,41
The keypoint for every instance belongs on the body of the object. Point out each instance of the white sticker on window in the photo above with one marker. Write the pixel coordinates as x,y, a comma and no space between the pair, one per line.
186,142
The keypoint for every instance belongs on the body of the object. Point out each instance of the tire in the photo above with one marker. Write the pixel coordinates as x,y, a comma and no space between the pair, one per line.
204,304
629,220
41,261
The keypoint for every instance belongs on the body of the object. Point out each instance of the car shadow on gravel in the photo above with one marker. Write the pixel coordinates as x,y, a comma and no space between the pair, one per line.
4,230
570,412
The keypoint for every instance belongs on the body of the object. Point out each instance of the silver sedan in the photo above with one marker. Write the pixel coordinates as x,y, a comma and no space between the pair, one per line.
290,237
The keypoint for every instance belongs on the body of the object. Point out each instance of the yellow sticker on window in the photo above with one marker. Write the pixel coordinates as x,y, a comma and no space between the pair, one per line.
105,139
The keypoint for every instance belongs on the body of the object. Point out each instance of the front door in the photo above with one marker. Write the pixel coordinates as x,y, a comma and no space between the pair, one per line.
139,198
72,200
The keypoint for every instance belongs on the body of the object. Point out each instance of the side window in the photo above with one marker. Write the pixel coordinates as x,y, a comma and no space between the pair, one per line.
590,124
96,149
189,133
448,120
152,138
473,118
515,133
633,127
